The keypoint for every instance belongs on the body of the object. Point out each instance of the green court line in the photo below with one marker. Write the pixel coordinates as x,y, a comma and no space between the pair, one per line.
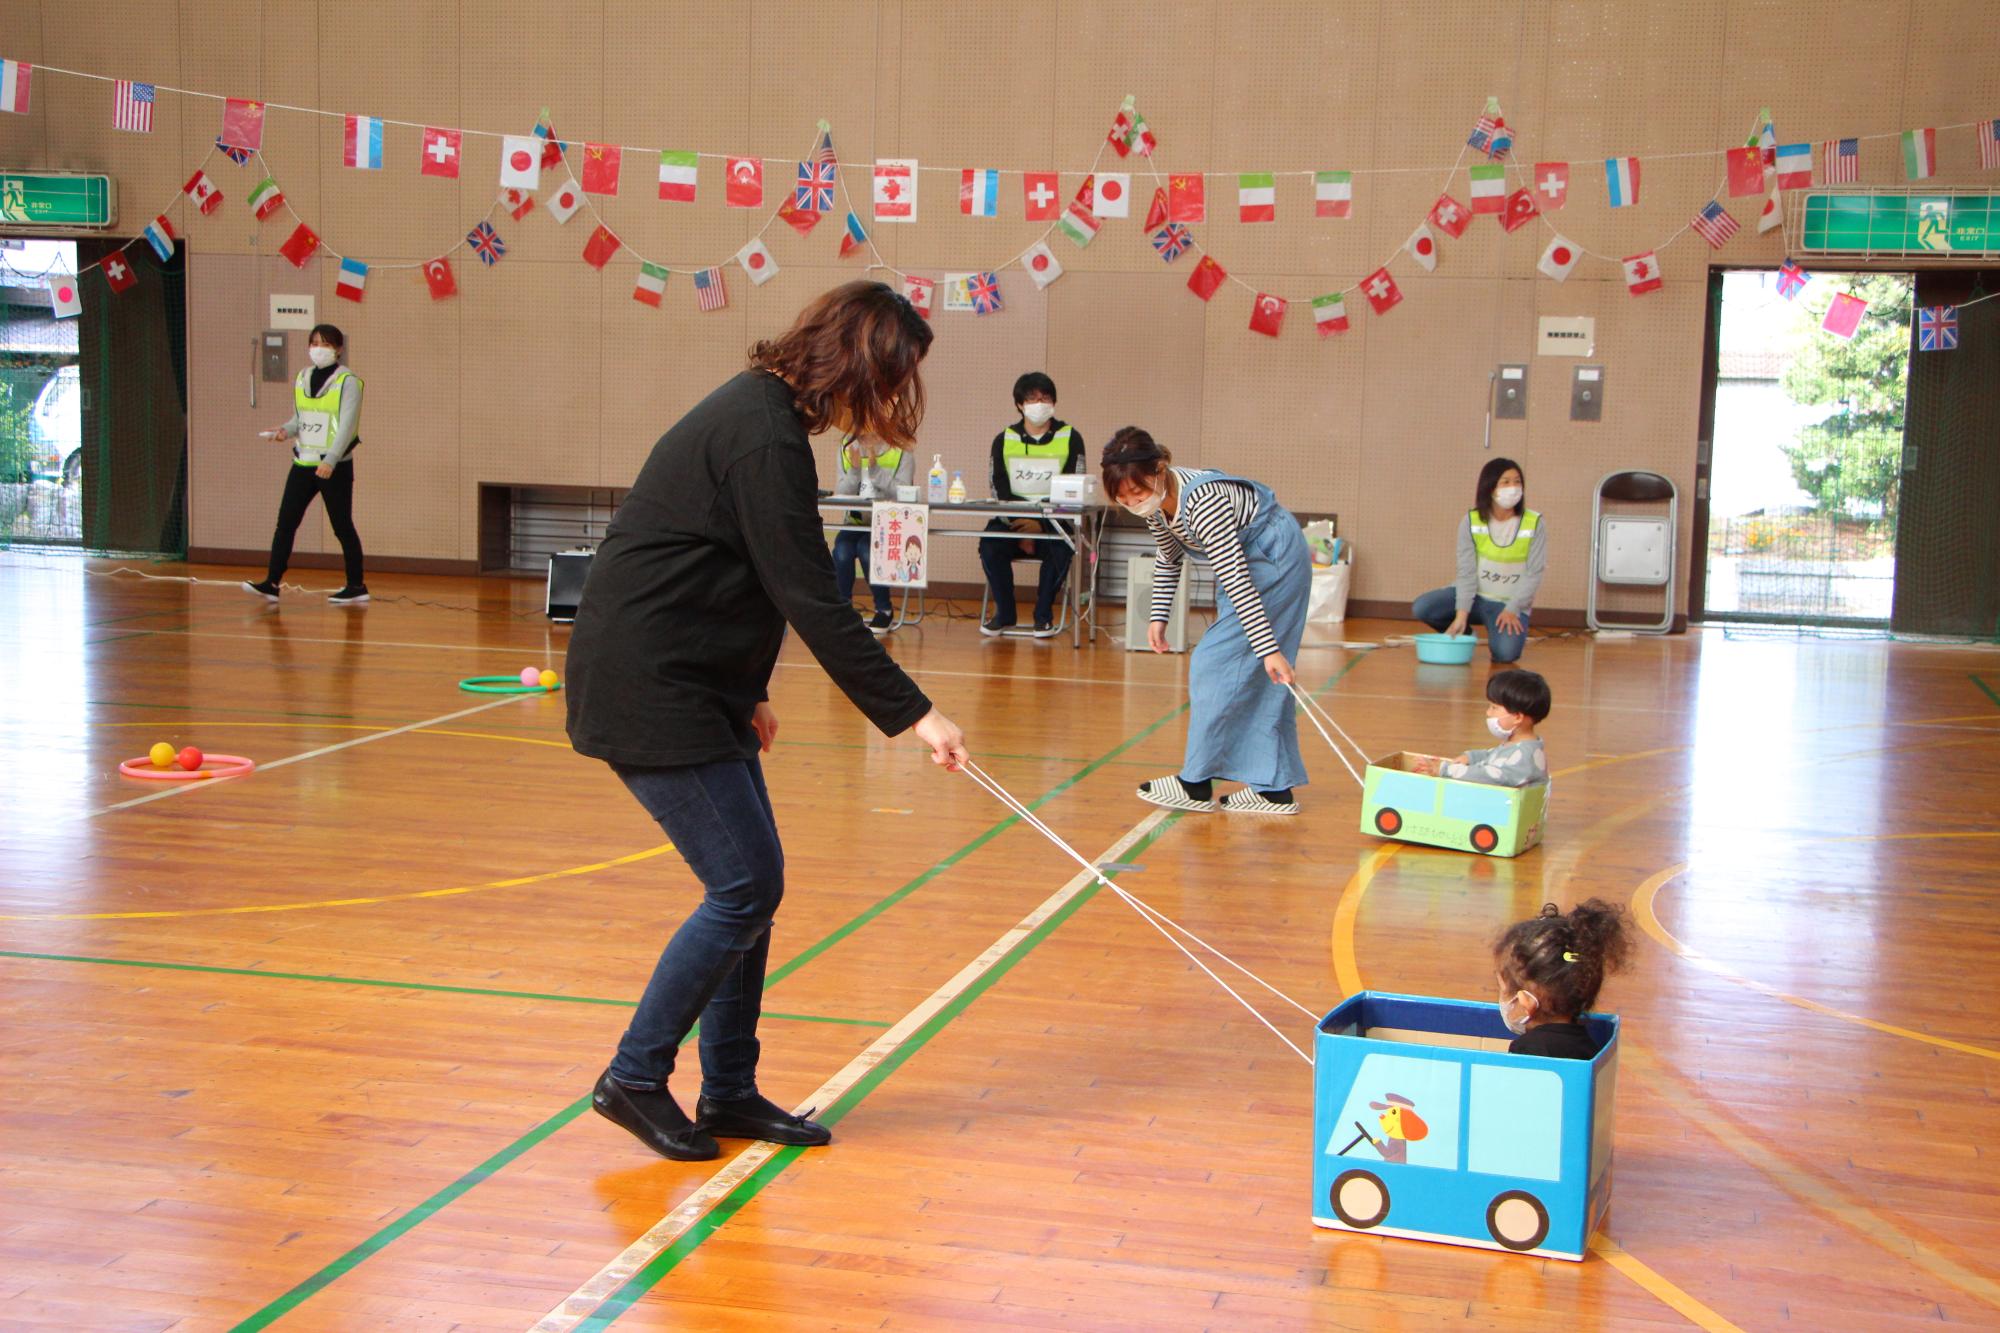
290,1300
712,1221
386,984
1988,690
194,708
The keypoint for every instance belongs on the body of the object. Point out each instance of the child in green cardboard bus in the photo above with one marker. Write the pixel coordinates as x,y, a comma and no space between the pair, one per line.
1515,702
1550,968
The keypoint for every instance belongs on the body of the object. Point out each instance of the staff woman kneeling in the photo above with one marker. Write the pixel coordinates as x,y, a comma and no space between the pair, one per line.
1241,724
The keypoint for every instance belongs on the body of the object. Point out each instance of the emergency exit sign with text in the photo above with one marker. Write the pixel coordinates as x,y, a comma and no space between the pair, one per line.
57,199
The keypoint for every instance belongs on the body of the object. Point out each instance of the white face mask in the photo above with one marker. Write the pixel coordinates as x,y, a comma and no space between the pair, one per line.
1149,506
1516,1010
1507,497
322,356
1039,414
1499,728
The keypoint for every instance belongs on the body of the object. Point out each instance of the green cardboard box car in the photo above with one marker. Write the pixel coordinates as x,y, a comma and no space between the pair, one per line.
1397,802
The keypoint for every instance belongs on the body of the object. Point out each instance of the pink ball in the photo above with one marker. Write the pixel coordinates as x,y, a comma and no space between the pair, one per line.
531,676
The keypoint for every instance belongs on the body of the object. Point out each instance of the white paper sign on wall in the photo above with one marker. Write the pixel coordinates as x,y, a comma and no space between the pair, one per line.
1567,335
292,312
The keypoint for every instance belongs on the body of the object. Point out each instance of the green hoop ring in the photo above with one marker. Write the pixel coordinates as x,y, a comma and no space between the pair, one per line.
503,685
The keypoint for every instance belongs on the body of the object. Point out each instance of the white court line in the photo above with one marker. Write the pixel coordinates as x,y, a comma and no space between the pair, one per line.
581,1303
179,788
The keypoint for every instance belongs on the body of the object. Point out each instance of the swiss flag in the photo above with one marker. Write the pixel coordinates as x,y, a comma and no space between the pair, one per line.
745,177
1156,216
441,153
600,168
1187,199
299,246
1642,273
1520,210
597,251
118,273
1207,276
1040,189
438,277
1746,171
1267,316
565,201
1450,217
203,192
1551,185
1381,291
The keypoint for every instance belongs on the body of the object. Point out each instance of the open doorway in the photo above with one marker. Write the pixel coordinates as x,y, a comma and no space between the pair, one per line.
41,422
1807,444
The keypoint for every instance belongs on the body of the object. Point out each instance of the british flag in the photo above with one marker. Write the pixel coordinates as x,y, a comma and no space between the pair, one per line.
1840,161
486,243
984,291
1792,280
1714,225
237,155
1172,241
1937,328
815,188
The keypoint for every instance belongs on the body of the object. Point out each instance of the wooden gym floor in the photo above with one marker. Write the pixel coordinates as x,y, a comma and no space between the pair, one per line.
312,1048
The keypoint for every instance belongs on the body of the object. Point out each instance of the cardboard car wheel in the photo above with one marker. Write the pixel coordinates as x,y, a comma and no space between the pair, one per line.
1517,1220
1388,821
1361,1200
1484,838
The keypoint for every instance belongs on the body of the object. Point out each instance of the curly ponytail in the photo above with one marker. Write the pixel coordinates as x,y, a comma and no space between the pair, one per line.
1565,956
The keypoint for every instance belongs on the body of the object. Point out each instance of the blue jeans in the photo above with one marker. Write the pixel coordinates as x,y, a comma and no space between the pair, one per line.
1437,607
849,549
997,556
719,818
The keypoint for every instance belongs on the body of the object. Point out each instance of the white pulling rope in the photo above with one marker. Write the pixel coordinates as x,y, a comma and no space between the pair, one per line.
1313,705
1158,920
1312,712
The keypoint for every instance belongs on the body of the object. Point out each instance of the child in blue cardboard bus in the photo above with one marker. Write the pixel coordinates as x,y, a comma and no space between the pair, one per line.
1550,968
1516,702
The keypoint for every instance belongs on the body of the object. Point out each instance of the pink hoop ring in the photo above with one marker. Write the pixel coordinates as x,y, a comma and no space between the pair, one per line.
142,767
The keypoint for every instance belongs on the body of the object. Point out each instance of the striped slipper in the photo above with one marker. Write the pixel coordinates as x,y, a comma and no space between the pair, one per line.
1170,793
1250,802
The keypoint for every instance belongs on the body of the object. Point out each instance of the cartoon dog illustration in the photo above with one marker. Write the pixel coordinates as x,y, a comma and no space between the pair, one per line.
1401,1126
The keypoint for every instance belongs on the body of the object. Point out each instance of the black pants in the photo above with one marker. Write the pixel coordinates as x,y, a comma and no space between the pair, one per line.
997,556
337,493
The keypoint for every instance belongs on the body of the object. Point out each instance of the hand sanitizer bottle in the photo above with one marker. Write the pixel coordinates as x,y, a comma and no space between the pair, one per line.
958,488
937,477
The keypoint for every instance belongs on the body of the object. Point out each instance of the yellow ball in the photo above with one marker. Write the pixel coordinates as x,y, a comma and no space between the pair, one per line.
549,679
162,755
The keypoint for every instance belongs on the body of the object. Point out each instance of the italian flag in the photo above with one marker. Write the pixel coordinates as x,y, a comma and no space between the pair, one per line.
677,178
1919,154
1489,188
1329,314
1333,193
1079,224
652,284
1256,197
267,198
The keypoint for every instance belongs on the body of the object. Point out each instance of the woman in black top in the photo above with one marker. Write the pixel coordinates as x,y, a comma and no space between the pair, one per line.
717,548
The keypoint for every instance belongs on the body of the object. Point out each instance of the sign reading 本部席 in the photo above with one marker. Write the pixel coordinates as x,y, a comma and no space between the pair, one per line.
899,545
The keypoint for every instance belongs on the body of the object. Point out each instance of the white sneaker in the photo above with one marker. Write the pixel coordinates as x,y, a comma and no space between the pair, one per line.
1172,793
1251,802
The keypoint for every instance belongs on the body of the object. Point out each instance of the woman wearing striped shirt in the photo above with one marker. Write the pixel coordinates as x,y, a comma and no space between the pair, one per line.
1241,727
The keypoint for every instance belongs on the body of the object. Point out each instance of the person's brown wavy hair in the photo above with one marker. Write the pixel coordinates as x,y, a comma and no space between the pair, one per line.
851,359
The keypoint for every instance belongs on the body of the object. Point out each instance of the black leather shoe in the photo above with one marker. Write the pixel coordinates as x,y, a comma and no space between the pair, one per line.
759,1117
655,1119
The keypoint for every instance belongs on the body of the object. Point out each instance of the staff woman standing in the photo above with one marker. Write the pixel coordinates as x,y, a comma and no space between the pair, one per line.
1241,725
1501,556
324,431
717,548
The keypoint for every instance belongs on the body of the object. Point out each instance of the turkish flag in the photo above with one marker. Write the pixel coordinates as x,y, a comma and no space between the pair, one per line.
1746,171
1520,210
299,246
1450,217
118,272
798,219
1381,291
1551,182
438,276
597,251
1207,276
441,149
1267,316
600,168
1042,191
1156,216
1187,200
745,179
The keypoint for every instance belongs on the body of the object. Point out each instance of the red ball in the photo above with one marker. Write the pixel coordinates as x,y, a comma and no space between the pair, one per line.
190,759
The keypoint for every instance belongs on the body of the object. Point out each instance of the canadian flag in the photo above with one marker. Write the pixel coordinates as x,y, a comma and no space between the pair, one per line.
1642,273
1042,264
202,190
896,190
519,203
1114,196
1559,258
745,178
520,163
565,201
1423,247
1381,291
918,291
757,262
1450,217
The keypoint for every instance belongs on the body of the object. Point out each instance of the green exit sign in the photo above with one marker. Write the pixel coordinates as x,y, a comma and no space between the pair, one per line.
1910,223
57,199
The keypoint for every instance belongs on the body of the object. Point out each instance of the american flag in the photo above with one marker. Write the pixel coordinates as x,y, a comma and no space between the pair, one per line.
709,293
132,106
1937,328
815,188
984,291
1989,144
1171,241
1840,161
1490,137
229,150
1714,225
486,243
1792,280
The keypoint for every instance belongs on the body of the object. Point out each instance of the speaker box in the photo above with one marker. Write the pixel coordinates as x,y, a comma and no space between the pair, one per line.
567,571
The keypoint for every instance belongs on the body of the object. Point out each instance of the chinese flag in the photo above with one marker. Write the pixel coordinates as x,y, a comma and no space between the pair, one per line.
438,276
1746,171
600,168
243,124
799,220
1267,316
1207,276
1156,216
299,246
1843,317
1186,200
602,245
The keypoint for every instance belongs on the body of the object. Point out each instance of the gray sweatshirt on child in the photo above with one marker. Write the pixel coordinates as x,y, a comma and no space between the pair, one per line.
1515,764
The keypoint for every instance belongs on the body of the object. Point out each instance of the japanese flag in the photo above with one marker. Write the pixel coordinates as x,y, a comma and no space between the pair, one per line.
1114,197
1042,264
1423,247
1773,212
64,298
565,201
757,262
1559,258
520,163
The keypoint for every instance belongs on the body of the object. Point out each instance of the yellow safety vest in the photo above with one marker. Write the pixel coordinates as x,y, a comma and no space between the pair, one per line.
888,460
1501,567
319,417
1032,466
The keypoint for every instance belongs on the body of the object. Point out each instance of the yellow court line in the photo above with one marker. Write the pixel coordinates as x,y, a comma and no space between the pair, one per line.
1682,1304
1649,921
517,882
